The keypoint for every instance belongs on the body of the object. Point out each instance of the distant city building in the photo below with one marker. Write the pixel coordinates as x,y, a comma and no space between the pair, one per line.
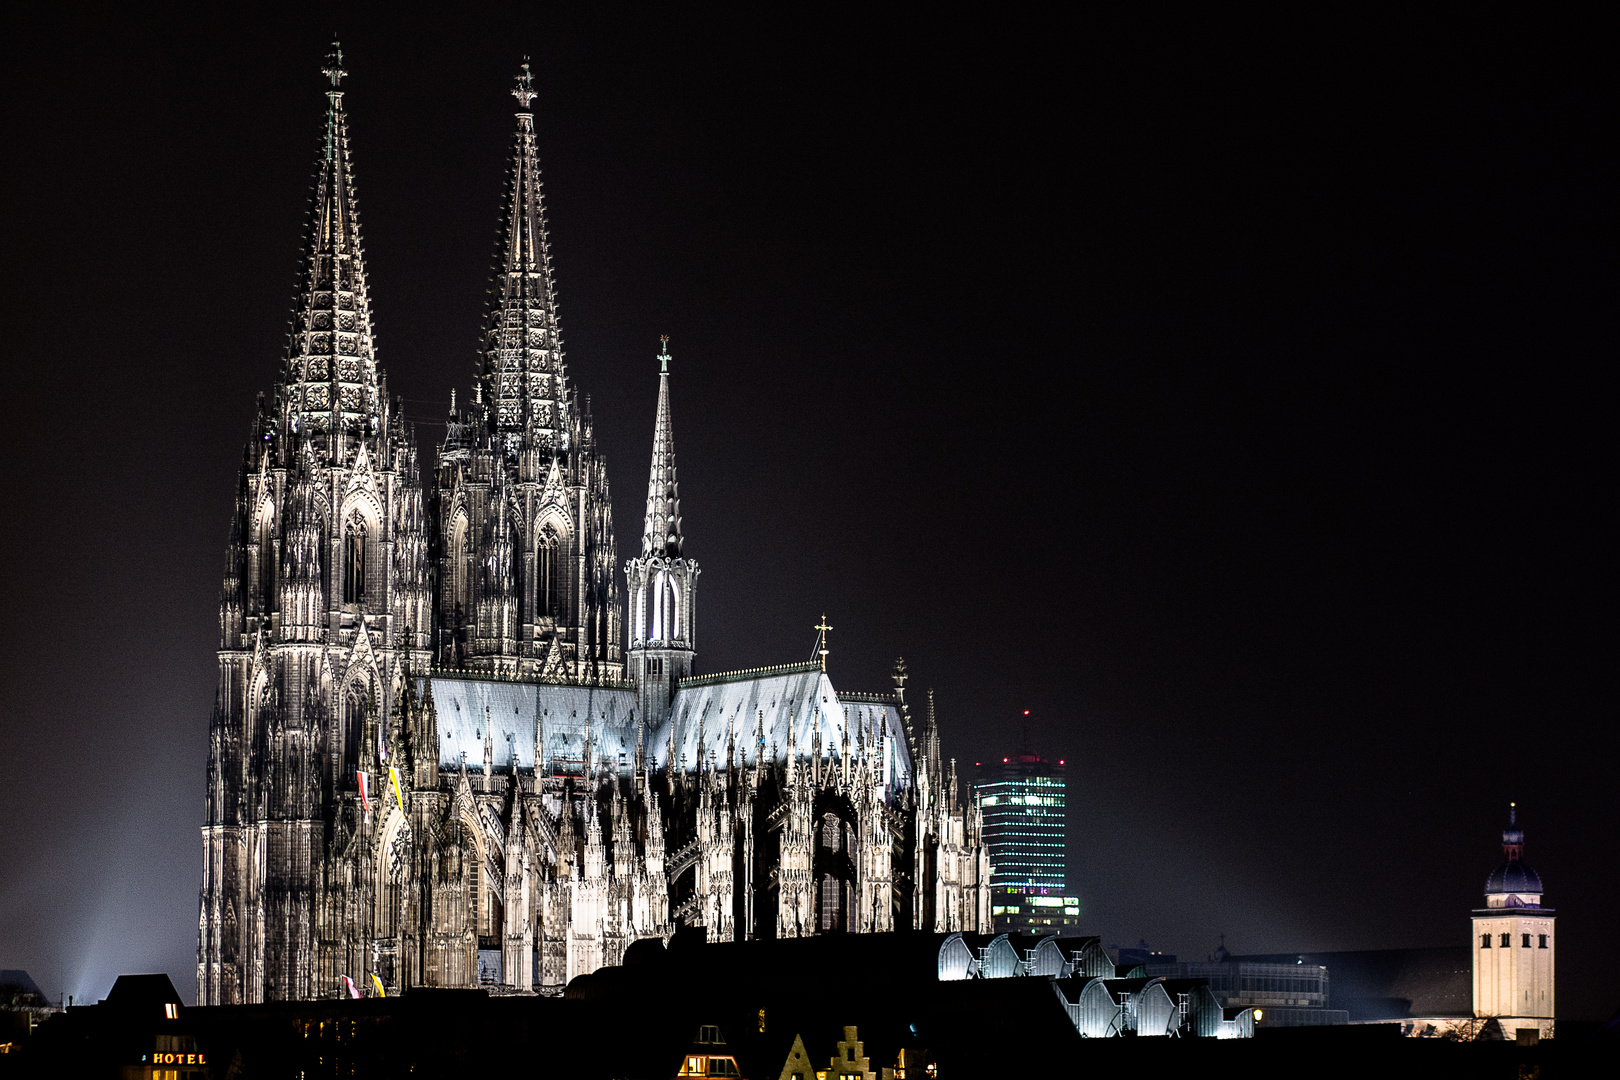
1513,945
1130,956
1498,987
23,1007
1282,993
1023,798
1424,990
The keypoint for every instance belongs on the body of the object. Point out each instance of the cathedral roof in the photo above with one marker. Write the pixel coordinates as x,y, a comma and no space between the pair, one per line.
469,709
787,703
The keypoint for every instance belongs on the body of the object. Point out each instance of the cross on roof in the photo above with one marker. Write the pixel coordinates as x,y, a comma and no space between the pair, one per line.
821,641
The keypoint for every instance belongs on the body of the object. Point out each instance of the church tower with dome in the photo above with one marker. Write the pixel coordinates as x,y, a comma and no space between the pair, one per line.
1514,944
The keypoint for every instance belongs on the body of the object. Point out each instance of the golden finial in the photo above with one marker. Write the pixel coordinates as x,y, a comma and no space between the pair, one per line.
821,641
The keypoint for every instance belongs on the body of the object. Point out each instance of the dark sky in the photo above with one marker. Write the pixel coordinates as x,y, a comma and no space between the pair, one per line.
1228,395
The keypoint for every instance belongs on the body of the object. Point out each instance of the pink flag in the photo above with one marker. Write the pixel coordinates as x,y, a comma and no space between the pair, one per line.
348,984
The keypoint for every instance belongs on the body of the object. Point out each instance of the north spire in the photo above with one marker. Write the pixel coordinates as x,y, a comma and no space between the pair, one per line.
524,382
662,532
330,382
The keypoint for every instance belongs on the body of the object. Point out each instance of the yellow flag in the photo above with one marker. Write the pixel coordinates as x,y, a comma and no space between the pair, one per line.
393,774
378,984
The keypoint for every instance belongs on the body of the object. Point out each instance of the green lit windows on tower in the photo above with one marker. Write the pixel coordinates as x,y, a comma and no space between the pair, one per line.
1024,802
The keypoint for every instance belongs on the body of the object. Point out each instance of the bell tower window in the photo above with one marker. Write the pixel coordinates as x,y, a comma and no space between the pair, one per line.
548,572
267,568
354,562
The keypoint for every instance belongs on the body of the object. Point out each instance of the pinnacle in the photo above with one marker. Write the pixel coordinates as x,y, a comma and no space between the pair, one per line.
662,532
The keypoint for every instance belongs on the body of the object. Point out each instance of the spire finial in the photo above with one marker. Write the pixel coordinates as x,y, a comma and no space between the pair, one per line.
821,640
334,65
524,90
663,357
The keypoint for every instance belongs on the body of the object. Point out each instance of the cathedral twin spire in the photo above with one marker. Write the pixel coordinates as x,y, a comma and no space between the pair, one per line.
521,378
330,381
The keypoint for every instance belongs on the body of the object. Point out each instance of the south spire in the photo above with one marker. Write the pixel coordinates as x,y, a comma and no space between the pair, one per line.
527,558
521,373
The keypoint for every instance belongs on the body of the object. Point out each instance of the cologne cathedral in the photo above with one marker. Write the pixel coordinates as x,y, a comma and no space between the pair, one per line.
452,747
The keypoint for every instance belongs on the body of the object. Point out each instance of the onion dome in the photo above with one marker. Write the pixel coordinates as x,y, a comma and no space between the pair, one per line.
1514,875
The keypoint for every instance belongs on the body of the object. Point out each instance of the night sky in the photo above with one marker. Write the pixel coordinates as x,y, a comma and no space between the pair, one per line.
1229,395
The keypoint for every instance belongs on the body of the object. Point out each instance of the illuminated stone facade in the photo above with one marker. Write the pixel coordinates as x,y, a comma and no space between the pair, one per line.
437,747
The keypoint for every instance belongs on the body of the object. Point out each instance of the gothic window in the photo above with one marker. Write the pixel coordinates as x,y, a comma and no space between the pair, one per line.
831,893
832,832
393,872
267,566
548,574
354,562
354,714
460,577
515,538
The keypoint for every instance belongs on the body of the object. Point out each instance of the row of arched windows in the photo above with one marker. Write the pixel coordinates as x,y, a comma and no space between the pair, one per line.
549,572
357,554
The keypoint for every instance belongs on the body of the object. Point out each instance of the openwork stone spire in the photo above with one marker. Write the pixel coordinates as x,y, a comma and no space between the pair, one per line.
662,534
330,382
524,383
